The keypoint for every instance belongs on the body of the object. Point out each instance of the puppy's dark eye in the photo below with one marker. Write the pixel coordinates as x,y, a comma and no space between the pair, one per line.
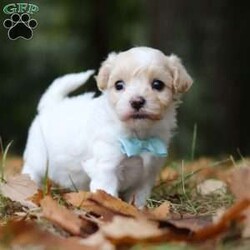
158,85
119,85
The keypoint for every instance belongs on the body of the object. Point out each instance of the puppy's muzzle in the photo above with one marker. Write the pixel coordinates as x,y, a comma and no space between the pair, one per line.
137,103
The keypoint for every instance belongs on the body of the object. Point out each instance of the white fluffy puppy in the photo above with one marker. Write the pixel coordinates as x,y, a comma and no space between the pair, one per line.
116,142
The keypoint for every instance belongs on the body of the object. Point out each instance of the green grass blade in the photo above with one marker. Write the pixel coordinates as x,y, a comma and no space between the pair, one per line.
194,142
2,165
45,180
73,184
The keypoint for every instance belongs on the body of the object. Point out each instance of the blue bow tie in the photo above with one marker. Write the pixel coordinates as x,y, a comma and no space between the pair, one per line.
135,146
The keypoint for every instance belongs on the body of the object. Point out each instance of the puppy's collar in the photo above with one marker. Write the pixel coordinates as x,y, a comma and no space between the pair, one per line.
134,146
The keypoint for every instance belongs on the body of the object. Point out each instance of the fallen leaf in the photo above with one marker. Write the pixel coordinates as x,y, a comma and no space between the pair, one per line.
19,188
193,223
99,241
98,211
22,235
239,182
218,214
162,211
106,206
124,230
212,186
37,197
202,164
66,219
246,230
168,174
199,233
114,204
206,168
231,216
76,198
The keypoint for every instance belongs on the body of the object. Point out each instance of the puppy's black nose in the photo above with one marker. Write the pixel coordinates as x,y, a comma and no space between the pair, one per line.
137,103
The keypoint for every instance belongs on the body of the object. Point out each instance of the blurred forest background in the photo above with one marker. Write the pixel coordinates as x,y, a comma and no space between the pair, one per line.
210,36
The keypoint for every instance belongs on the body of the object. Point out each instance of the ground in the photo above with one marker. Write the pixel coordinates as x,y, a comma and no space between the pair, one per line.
202,204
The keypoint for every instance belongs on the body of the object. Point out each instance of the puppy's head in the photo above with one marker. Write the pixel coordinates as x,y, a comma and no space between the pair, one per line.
141,83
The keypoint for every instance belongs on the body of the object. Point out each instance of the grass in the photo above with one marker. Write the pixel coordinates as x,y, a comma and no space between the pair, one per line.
182,193
8,208
191,202
3,161
194,139
184,197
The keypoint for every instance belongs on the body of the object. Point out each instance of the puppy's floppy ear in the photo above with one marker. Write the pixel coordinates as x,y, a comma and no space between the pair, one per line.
182,81
104,71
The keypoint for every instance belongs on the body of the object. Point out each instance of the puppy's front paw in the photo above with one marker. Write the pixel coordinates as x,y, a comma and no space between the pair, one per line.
108,188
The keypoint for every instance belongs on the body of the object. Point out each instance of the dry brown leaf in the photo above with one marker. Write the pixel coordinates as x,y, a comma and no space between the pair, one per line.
37,197
198,232
124,230
66,219
162,211
22,234
202,163
106,206
168,174
99,241
97,210
193,223
218,214
206,169
239,183
232,215
129,231
19,188
76,198
114,204
246,230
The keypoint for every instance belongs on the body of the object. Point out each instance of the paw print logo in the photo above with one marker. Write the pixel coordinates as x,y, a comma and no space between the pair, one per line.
20,26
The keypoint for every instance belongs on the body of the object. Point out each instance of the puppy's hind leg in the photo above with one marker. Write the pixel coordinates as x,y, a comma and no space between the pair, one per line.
35,154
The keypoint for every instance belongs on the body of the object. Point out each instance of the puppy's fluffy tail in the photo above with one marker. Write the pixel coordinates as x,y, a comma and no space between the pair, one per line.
61,87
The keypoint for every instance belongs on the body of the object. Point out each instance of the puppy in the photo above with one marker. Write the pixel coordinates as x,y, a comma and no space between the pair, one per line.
118,141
